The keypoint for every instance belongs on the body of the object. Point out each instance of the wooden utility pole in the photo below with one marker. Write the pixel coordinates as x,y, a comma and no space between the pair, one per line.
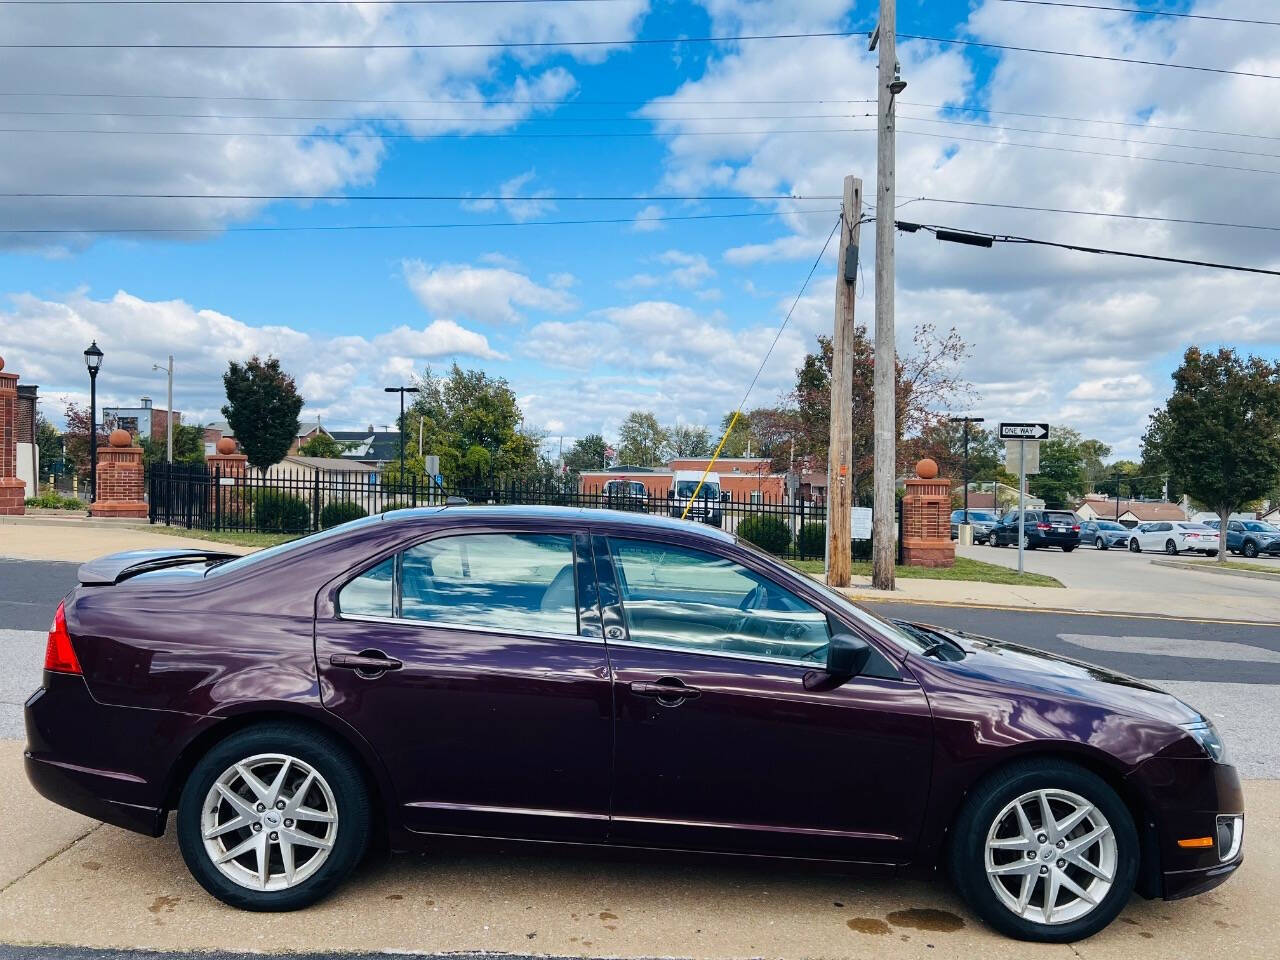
840,448
883,542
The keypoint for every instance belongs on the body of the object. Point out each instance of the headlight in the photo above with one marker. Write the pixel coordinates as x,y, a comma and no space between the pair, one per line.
1205,734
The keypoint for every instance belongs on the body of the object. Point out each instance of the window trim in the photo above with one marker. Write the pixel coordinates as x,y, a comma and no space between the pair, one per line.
570,533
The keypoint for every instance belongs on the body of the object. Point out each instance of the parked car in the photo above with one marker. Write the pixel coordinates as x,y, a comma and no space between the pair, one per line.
1104,534
1043,528
625,495
1250,537
598,677
1174,537
706,506
981,520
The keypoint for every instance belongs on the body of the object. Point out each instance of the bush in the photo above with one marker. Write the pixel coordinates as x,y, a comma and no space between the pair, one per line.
276,512
766,532
51,500
395,505
340,511
812,541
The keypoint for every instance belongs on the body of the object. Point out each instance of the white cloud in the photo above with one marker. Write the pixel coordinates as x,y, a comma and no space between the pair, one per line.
481,294
520,208
649,219
340,378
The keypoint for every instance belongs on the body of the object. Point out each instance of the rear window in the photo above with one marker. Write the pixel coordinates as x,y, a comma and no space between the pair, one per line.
1057,517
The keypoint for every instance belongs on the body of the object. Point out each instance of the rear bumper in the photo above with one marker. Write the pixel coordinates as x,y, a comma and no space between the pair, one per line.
108,762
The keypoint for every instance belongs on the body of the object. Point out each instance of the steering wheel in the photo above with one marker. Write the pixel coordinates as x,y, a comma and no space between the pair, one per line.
756,599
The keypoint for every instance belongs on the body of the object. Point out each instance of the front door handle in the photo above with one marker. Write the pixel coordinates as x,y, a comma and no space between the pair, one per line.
367,663
668,691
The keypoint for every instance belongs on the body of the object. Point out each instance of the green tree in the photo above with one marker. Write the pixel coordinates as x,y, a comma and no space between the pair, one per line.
472,422
1219,432
50,442
262,409
943,442
689,441
1061,478
323,445
642,442
188,446
587,453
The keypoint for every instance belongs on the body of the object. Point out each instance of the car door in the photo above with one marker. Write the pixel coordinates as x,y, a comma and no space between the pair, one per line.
1008,529
720,744
1235,535
473,663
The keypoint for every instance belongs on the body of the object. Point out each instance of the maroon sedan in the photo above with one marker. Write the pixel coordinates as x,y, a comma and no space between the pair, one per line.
598,677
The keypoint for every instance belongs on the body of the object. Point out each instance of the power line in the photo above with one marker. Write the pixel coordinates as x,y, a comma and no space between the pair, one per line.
473,45
443,119
1142,11
1089,153
358,135
666,198
1089,56
1096,213
1055,116
979,239
343,227
559,102
272,3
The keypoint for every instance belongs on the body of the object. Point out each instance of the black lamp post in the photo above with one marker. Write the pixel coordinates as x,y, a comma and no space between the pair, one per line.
965,472
93,360
402,391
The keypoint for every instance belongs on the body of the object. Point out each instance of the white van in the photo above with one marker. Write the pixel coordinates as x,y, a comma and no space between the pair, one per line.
707,507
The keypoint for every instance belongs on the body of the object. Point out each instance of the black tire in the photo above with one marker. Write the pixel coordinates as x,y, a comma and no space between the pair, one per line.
1026,543
328,757
1068,549
1134,546
1171,548
967,862
1211,553
1250,549
1100,544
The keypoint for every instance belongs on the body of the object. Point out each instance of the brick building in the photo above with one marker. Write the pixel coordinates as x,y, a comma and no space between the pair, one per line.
143,421
743,478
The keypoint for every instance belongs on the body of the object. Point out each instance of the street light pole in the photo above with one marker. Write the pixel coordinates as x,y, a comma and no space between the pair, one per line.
93,360
168,413
402,391
965,472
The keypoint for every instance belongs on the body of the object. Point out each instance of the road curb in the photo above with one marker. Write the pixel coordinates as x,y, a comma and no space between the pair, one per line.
1211,568
47,520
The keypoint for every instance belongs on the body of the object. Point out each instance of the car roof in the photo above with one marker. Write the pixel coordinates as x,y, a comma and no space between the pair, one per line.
616,518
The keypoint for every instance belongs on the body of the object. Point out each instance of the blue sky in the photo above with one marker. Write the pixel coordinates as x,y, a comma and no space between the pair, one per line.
590,321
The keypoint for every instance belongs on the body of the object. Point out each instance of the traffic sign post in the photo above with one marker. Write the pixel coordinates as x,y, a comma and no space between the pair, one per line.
1022,434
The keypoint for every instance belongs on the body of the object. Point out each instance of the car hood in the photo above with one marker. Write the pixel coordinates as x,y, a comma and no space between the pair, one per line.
1035,670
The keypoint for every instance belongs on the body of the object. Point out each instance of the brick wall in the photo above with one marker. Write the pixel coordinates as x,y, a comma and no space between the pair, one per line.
12,490
120,483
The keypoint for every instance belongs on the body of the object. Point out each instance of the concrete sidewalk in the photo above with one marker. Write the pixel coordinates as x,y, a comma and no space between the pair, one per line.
76,540
67,881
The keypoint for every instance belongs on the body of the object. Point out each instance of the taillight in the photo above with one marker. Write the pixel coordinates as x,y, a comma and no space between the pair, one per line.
1076,528
59,655
1042,526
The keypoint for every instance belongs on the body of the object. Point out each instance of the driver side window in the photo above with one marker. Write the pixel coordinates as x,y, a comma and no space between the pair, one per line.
687,599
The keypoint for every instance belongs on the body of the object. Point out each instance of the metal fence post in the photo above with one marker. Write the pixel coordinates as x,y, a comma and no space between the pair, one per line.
315,503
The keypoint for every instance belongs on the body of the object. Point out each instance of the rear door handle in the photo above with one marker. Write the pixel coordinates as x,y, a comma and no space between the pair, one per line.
368,663
668,691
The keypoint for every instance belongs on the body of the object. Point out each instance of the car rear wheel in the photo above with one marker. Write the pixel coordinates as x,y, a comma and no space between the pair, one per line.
273,818
1134,546
1100,544
1068,547
1171,548
1250,549
1045,850
1026,542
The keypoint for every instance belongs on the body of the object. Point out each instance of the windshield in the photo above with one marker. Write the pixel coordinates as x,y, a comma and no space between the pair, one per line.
1110,525
1258,526
710,490
984,515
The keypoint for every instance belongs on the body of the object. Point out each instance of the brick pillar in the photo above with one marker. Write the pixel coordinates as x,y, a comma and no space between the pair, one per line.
227,462
120,484
12,490
926,519
227,500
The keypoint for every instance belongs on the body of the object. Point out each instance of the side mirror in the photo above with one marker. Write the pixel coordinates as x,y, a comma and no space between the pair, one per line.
847,655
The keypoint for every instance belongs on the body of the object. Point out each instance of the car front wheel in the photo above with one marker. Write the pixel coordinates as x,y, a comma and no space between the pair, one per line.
273,818
1134,546
1250,549
1171,548
1100,544
1045,850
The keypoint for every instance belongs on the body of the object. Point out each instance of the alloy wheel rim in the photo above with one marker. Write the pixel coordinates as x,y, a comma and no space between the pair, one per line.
1051,857
269,822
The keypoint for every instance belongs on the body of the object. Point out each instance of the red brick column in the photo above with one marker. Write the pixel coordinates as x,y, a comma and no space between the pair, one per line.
226,499
120,483
926,519
12,490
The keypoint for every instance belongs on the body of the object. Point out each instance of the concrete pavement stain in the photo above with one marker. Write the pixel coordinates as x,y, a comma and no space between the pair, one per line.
868,925
926,918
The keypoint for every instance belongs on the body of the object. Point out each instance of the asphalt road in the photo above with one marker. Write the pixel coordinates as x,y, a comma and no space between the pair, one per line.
1229,671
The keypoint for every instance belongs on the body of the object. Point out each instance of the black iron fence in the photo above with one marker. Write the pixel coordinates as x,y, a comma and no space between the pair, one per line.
301,500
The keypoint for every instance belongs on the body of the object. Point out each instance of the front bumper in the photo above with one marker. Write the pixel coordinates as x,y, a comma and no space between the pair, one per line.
106,762
1186,797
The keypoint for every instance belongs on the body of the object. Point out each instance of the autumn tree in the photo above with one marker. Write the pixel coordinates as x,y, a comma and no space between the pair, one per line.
927,384
262,409
1219,432
76,443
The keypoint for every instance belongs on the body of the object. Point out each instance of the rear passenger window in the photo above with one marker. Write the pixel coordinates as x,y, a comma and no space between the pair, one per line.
372,594
519,582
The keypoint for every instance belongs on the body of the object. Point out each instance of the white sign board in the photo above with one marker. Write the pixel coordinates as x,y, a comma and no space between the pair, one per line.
432,464
1013,453
860,521
1024,431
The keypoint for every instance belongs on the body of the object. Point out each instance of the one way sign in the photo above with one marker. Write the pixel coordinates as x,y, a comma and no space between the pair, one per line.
1024,431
